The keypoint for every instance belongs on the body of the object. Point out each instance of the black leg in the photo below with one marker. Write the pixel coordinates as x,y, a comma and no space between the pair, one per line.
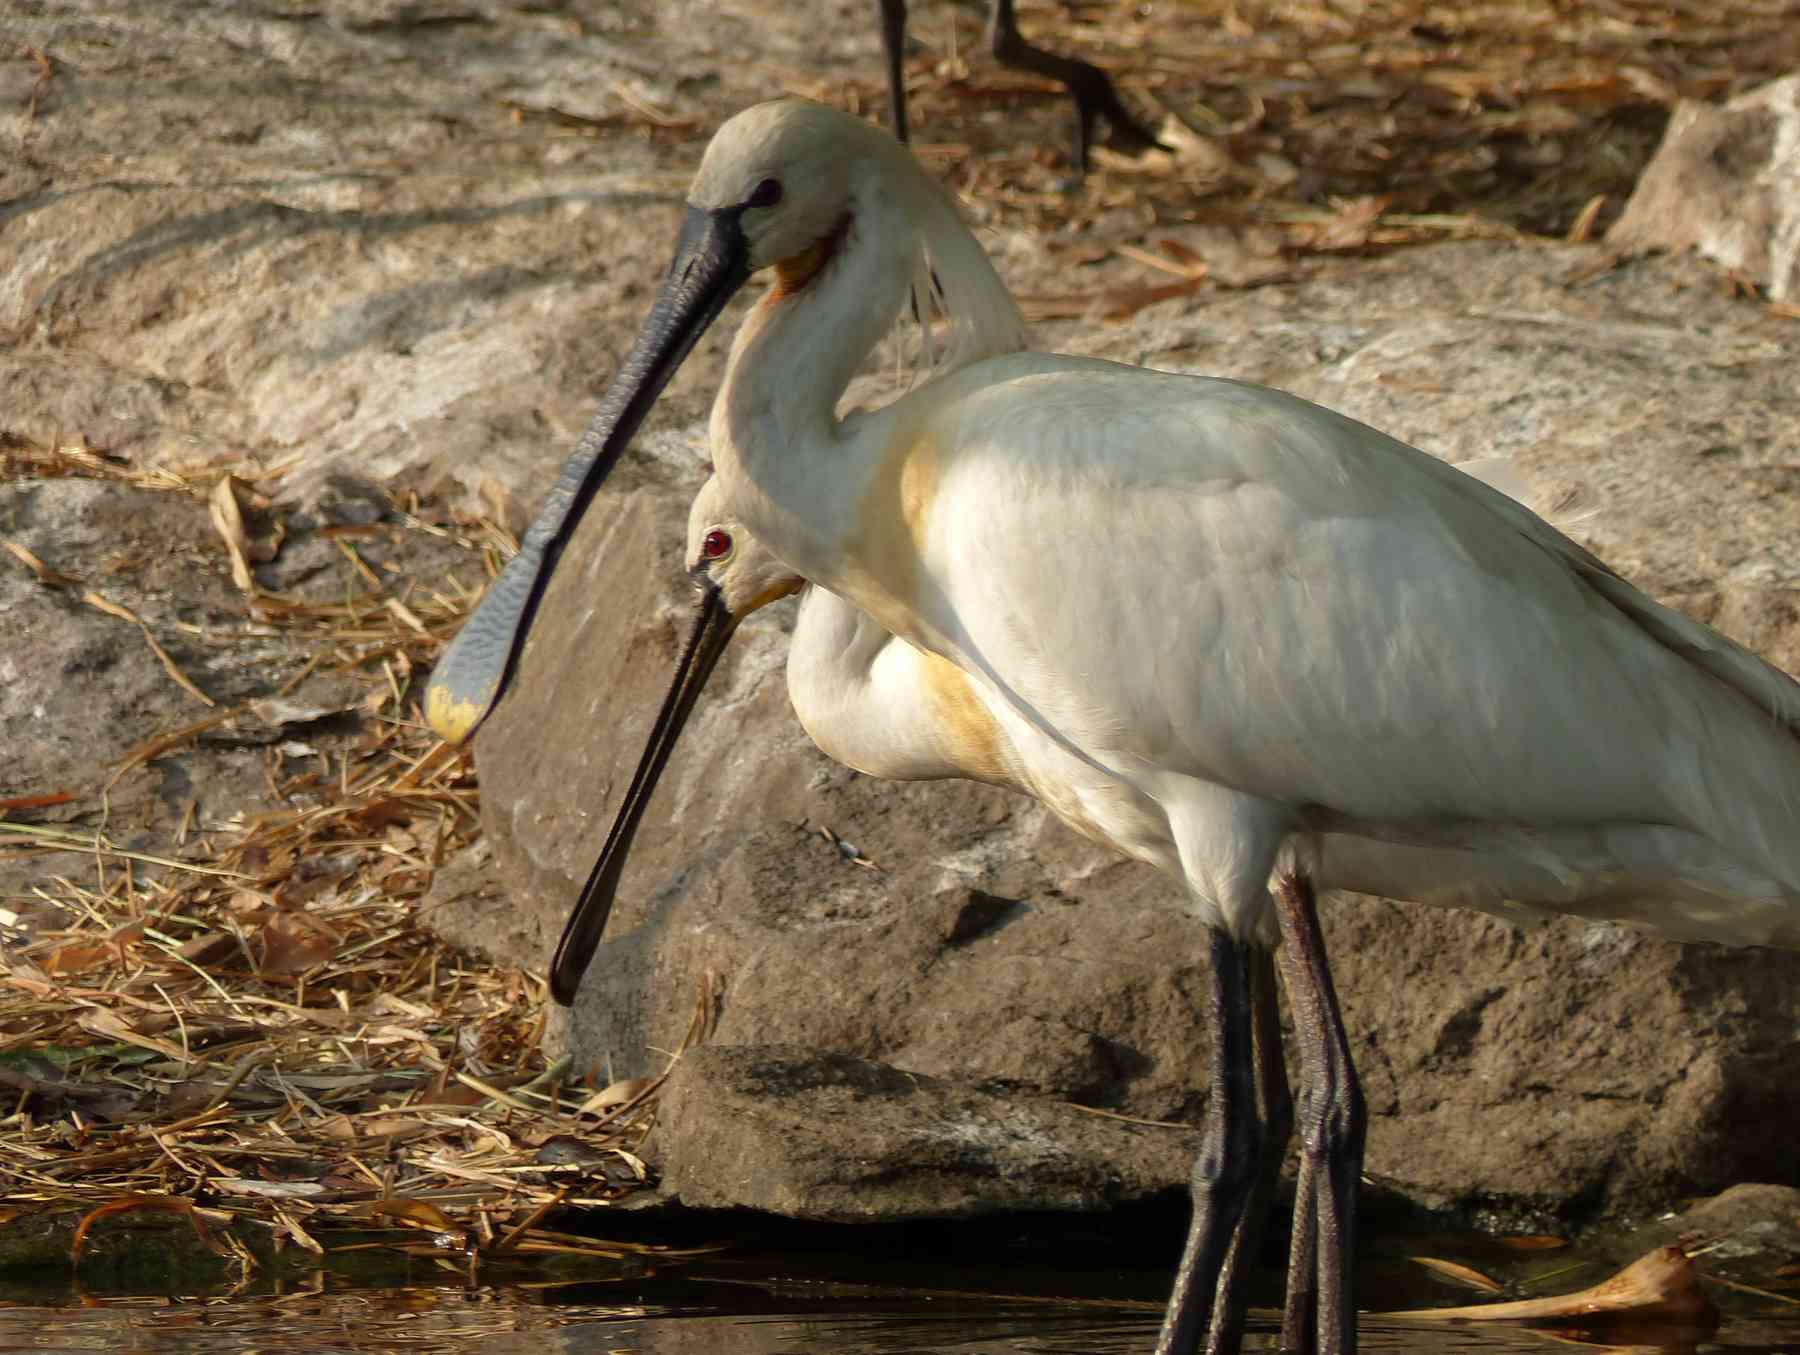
1088,85
1297,1316
1321,1308
893,46
1276,1107
1231,1146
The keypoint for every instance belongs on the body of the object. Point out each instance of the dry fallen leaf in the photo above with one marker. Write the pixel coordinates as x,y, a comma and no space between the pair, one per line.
109,1026
405,1213
208,948
1351,227
228,520
274,1190
1533,1242
78,959
17,803
293,944
1457,1273
618,1093
497,499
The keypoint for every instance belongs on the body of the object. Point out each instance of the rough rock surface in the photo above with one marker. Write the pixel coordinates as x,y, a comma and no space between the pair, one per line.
761,1127
70,674
1751,1231
81,687
357,238
1726,182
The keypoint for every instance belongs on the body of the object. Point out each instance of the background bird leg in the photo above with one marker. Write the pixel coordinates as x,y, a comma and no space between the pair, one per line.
893,43
1276,1107
1090,87
1230,1152
1332,1120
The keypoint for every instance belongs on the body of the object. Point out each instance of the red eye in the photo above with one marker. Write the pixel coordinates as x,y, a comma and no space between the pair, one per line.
716,544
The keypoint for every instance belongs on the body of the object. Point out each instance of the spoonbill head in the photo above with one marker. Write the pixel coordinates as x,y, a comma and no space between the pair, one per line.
872,701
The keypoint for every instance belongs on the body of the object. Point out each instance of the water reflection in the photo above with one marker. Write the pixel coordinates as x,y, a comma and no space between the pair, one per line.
1032,1331
424,1321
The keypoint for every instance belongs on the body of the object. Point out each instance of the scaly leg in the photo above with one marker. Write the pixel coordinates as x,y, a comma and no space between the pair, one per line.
1088,85
1276,1107
1297,1327
1230,1151
1321,1308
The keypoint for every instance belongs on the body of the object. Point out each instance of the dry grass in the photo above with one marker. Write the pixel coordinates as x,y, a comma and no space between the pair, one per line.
251,1020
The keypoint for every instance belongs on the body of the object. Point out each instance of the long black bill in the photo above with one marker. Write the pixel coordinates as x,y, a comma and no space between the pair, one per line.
713,627
711,262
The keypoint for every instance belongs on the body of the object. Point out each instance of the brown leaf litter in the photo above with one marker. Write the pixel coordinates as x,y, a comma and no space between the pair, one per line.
249,1025
1334,129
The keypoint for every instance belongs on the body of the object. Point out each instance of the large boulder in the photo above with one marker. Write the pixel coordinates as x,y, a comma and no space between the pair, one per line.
959,932
762,1127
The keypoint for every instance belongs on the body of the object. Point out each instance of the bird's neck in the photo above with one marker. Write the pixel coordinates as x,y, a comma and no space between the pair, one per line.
829,659
792,469
831,639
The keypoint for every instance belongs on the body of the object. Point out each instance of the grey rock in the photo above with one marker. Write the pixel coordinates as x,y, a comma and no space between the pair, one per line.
1726,182
72,678
1750,1231
82,690
349,237
809,1135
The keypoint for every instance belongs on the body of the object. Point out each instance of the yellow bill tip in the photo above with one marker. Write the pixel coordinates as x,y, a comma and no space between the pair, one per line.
452,717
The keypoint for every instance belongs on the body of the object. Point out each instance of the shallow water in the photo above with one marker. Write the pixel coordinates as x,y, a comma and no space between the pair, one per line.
732,1314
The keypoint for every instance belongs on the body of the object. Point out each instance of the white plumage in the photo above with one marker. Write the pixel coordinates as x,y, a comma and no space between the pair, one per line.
1259,616
884,707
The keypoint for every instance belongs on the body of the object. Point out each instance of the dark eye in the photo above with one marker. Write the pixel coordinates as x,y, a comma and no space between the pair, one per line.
716,545
765,194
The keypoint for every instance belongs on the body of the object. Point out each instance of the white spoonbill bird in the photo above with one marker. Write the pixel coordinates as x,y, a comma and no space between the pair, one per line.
1254,623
